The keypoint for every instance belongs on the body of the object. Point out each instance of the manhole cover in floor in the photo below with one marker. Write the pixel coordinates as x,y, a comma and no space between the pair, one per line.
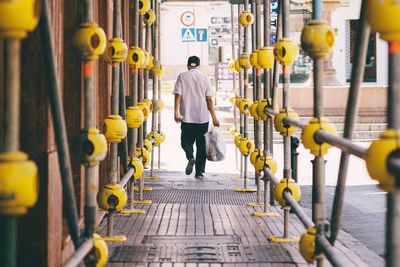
209,253
199,196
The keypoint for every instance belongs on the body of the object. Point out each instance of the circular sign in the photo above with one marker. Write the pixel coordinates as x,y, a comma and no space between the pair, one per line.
187,18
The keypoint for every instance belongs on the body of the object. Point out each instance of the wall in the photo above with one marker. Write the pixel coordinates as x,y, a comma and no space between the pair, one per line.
339,17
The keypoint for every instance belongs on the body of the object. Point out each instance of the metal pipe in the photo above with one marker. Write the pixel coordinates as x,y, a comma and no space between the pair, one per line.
113,175
60,131
331,253
258,91
357,75
127,177
133,94
240,33
234,78
158,35
318,189
245,93
140,99
298,210
123,145
344,144
12,94
274,92
80,253
393,198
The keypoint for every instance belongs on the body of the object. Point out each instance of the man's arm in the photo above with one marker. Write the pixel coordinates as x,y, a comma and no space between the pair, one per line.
210,107
177,117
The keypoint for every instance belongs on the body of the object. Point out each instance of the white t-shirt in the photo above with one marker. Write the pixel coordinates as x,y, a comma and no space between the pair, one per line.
193,86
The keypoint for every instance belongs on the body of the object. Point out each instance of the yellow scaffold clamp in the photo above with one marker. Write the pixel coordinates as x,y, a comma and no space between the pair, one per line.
286,184
154,137
262,115
18,17
263,161
307,245
18,183
116,51
382,16
238,68
232,66
143,107
317,38
149,104
246,18
100,250
147,145
158,105
111,197
90,146
144,154
146,59
378,156
144,6
134,117
151,63
255,155
90,40
150,17
283,128
137,165
163,136
253,110
265,57
238,139
308,139
136,57
114,129
234,131
244,106
238,99
244,60
286,51
246,146
254,59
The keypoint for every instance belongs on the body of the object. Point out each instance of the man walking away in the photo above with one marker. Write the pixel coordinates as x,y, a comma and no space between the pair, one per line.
193,98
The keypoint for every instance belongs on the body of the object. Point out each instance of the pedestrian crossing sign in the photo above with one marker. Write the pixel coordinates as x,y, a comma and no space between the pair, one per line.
188,35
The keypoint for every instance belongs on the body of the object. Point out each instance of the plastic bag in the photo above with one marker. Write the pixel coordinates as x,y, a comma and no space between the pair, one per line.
215,145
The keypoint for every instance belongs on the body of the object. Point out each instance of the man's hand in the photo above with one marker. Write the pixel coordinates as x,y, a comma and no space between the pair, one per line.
216,122
178,118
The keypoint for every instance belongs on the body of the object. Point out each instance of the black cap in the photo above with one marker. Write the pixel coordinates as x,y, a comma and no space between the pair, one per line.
193,61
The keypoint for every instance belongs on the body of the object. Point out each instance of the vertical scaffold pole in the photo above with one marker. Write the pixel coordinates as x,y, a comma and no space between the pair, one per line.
113,176
140,99
274,93
133,93
91,171
10,141
318,194
245,93
240,32
155,84
357,75
258,92
287,171
267,95
393,198
234,89
158,36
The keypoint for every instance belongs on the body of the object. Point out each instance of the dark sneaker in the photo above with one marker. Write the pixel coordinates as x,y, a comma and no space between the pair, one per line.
199,176
189,166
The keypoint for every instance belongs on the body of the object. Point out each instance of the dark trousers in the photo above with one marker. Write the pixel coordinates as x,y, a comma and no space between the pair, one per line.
192,132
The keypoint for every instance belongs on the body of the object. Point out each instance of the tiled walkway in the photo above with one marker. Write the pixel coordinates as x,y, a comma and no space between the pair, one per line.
204,223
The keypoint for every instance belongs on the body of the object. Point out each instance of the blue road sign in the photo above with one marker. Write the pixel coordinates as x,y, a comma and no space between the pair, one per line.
201,35
188,35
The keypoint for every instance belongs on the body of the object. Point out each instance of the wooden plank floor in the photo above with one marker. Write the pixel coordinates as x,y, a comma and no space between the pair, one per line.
205,223
164,220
